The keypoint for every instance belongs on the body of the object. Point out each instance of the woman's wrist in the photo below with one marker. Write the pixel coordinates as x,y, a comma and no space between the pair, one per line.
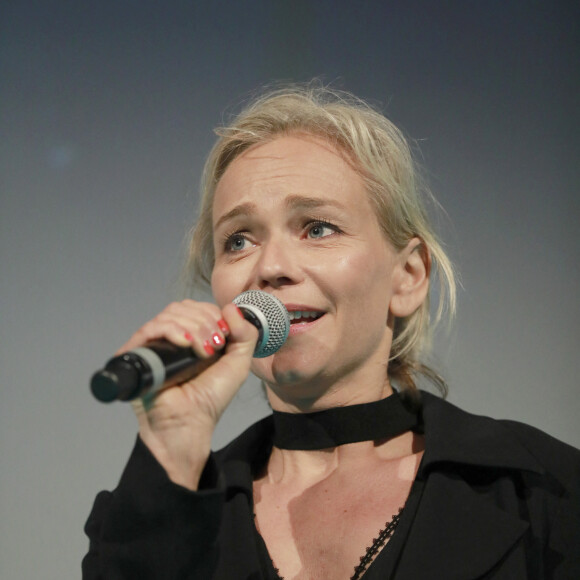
182,458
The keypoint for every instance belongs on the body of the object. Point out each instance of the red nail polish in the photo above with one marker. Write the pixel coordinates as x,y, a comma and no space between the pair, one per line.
188,336
223,326
208,348
240,312
217,339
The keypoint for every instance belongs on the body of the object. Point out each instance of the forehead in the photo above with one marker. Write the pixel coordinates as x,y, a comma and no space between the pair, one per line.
300,165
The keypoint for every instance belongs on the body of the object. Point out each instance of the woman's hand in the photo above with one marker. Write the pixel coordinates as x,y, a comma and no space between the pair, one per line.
178,423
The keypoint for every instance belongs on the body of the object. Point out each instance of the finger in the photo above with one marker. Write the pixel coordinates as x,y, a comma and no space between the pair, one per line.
186,323
205,329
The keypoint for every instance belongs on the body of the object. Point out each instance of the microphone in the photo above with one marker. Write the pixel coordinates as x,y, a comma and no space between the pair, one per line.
161,364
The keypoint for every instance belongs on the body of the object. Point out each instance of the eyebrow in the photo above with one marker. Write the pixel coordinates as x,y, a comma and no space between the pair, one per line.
292,202
244,209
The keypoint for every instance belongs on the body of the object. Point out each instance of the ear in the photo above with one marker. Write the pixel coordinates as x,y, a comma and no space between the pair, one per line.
410,279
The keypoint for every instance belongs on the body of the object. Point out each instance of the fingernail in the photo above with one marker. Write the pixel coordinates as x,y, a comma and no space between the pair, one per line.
208,348
223,326
188,337
217,339
240,312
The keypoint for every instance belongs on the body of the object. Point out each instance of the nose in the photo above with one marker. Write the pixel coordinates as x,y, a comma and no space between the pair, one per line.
277,265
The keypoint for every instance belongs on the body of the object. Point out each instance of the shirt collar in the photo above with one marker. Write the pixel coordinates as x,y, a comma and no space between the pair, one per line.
455,436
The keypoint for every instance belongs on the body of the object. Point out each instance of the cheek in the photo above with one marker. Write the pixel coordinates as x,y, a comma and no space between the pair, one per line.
230,280
362,277
222,288
365,285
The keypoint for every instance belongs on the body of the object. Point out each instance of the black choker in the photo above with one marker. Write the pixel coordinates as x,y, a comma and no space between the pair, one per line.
323,429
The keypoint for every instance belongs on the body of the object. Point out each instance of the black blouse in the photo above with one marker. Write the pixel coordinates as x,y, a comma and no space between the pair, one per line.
492,499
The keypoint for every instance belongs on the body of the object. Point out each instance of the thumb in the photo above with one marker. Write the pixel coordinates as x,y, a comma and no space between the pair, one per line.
243,335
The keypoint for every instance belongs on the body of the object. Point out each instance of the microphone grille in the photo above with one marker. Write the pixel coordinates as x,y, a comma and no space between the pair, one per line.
274,317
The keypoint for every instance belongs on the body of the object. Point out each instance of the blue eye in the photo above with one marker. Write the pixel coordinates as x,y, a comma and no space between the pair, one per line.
235,243
321,229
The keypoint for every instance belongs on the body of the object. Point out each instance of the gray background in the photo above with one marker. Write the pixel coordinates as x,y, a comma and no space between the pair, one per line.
107,111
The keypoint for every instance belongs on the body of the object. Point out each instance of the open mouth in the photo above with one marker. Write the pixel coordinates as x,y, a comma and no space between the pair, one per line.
304,316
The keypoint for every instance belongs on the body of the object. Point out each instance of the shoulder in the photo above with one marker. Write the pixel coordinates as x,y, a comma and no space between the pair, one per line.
454,435
555,456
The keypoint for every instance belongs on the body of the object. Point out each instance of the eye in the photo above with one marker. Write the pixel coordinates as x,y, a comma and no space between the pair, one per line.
236,242
320,229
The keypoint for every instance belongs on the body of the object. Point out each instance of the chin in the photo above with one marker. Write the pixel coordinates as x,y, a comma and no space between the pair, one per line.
297,388
281,376
289,367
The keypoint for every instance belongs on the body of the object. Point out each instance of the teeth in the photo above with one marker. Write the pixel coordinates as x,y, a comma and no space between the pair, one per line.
297,314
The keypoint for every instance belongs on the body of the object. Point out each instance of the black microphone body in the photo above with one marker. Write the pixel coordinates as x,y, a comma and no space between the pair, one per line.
161,364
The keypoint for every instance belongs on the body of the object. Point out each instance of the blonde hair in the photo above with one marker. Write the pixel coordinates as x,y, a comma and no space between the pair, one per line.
383,158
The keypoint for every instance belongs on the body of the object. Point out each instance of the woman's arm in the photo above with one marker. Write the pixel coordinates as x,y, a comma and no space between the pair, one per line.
150,528
163,519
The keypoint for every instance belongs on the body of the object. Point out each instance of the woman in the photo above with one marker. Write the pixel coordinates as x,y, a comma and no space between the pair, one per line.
311,196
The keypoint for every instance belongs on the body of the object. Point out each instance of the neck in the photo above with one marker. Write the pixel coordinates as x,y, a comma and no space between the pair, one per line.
288,400
309,447
308,467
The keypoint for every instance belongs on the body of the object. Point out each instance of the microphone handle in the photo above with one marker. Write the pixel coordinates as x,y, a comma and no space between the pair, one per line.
158,365
146,370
